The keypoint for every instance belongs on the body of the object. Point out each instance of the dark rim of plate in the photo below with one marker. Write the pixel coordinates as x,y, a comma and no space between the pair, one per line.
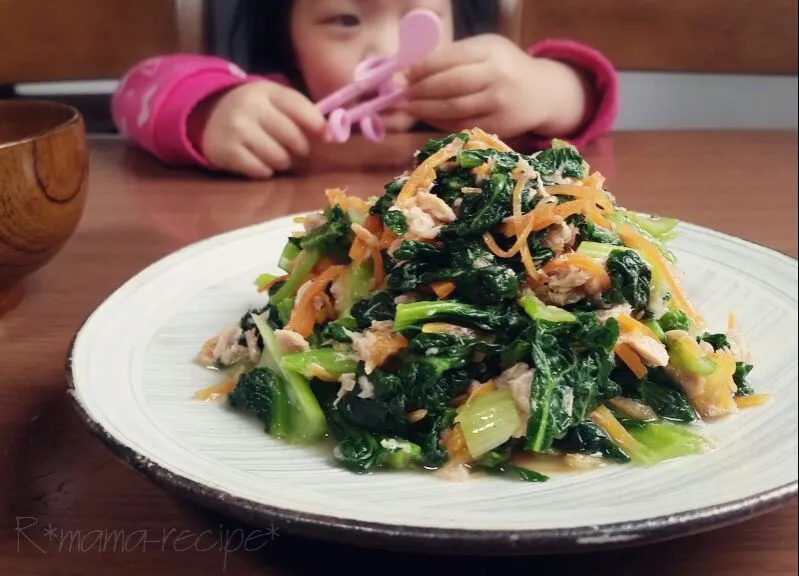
442,540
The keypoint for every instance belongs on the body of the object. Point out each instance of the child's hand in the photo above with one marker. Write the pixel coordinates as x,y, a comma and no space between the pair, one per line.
489,82
256,129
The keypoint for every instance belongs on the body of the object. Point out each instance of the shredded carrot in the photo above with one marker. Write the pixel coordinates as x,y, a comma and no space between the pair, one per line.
388,237
633,361
272,282
604,418
339,196
752,400
303,314
633,239
629,324
316,371
424,174
323,264
731,321
570,208
588,265
379,274
534,220
542,216
365,238
481,139
443,288
416,415
216,391
454,442
593,213
598,197
594,180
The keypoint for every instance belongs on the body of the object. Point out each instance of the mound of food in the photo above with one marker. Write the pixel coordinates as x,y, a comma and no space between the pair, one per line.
489,311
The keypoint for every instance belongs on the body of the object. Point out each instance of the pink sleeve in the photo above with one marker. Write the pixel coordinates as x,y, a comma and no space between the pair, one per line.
152,104
603,107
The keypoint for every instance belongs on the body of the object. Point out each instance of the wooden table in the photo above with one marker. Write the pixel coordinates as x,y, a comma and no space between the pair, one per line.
54,474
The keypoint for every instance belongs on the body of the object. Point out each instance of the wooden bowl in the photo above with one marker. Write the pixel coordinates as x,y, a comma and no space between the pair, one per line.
43,184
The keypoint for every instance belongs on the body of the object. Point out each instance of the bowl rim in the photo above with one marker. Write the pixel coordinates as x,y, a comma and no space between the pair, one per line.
75,116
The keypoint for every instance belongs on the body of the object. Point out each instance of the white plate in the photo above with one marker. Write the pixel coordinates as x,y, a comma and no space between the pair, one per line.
132,378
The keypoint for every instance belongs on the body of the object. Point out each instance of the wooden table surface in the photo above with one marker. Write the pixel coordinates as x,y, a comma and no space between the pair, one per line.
61,489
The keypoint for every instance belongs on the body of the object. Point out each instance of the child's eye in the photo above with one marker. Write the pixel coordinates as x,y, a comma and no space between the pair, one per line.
345,20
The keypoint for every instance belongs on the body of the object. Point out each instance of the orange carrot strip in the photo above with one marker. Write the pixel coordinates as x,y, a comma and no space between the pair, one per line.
629,324
454,442
338,196
424,174
583,192
303,314
216,391
379,274
443,288
752,400
629,357
478,136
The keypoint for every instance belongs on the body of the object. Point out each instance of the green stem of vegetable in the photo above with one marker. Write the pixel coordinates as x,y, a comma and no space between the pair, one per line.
619,217
290,252
327,359
653,325
357,281
414,312
309,258
284,310
264,279
688,356
399,453
667,440
537,310
598,249
307,418
657,226
488,421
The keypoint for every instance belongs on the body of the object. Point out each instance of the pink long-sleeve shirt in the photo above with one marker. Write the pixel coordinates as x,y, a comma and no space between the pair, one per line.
152,104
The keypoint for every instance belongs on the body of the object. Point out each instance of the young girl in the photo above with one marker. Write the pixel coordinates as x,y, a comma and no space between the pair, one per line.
206,111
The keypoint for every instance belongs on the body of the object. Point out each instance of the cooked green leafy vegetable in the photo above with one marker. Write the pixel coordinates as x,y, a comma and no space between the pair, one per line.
489,308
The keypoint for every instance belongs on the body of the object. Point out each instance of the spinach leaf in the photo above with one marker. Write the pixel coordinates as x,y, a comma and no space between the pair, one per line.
572,364
674,320
555,162
742,370
717,341
395,220
587,438
494,205
384,412
630,279
379,307
334,237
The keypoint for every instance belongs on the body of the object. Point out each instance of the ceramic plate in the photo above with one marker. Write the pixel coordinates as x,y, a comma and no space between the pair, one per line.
133,380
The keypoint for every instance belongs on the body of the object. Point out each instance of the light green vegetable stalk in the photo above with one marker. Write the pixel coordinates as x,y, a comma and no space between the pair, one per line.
307,420
309,258
328,359
488,421
537,310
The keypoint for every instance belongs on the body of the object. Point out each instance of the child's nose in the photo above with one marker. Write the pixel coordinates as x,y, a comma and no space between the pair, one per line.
385,42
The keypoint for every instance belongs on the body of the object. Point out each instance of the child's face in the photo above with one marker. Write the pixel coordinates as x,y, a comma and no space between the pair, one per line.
331,37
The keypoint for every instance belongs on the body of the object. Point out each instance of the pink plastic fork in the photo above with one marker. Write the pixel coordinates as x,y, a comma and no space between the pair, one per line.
420,33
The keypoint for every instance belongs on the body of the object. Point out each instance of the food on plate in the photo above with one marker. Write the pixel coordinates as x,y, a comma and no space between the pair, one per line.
489,311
